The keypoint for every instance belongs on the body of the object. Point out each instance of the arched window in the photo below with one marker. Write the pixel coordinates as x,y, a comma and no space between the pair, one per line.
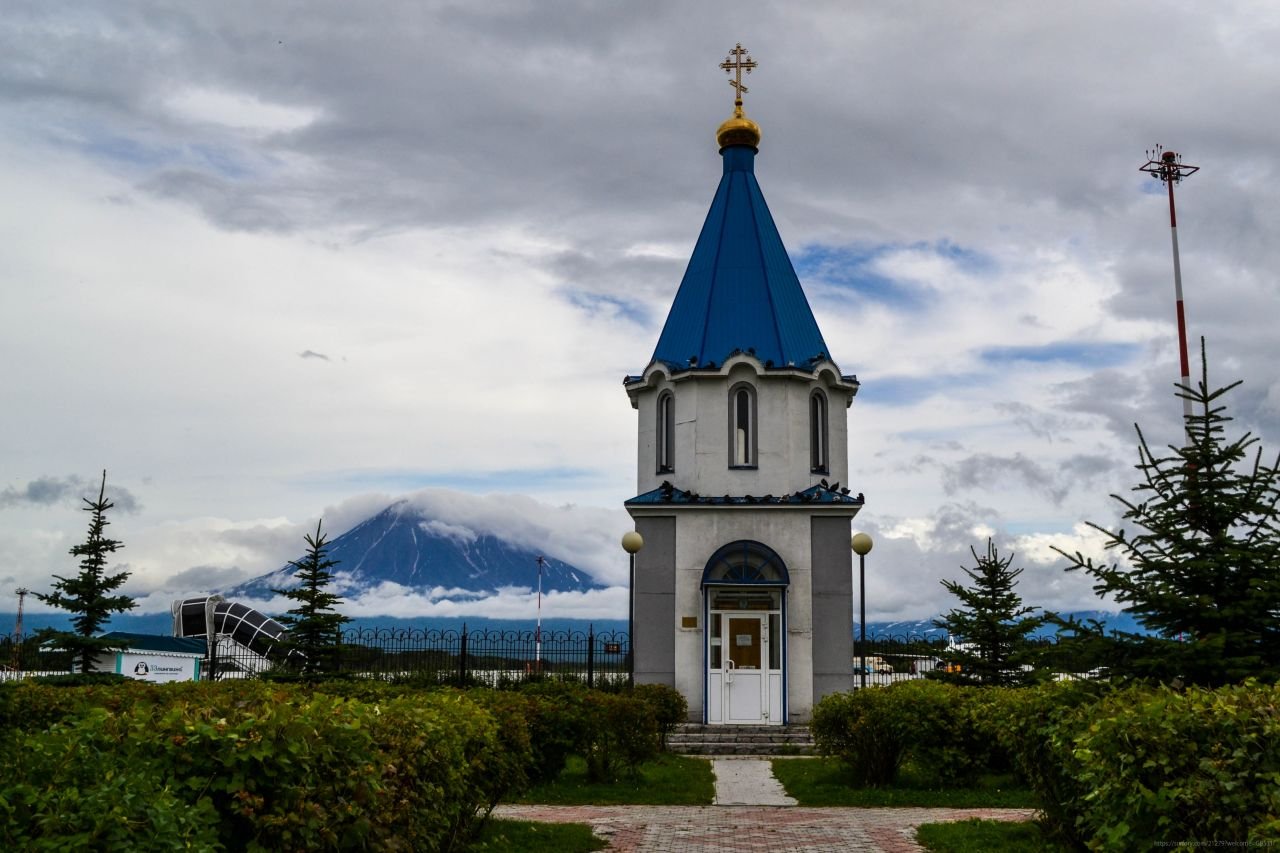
819,445
742,426
745,562
666,432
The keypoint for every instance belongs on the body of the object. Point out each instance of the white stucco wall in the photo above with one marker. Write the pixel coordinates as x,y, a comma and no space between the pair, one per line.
702,429
700,532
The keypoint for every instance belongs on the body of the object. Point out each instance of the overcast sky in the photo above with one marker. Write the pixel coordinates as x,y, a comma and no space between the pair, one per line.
267,262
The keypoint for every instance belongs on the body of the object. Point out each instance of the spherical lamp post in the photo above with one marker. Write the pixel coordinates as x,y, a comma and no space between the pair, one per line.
631,542
861,544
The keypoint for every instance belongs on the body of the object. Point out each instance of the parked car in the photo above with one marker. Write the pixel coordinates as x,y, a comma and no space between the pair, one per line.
875,666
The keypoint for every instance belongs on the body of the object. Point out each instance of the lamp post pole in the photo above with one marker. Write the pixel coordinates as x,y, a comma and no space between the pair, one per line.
861,544
631,543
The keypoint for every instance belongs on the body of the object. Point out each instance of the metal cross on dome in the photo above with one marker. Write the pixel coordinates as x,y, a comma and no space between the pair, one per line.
735,63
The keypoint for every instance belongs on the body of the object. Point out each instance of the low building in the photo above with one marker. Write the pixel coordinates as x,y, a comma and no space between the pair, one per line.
150,657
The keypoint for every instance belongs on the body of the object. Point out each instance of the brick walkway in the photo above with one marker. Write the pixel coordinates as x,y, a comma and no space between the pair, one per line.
734,829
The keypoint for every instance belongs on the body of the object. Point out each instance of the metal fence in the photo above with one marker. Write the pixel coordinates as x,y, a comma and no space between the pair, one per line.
22,657
461,657
891,658
506,656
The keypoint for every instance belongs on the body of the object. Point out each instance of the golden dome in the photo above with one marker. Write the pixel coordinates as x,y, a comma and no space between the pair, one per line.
738,130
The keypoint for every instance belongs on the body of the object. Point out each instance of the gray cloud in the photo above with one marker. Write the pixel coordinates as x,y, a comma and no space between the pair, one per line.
205,578
990,471
49,491
1043,425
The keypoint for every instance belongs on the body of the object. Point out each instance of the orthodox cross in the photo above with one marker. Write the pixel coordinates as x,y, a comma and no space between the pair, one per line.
735,64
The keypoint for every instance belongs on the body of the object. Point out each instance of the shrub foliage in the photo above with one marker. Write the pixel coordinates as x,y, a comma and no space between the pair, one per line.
296,766
1130,769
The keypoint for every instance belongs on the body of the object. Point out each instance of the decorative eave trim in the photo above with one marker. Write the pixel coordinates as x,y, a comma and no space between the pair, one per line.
819,367
822,495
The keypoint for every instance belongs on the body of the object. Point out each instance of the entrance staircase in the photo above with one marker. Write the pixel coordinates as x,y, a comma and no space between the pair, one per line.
699,739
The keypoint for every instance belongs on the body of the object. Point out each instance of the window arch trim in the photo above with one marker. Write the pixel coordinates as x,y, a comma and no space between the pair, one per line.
819,433
745,563
665,433
743,421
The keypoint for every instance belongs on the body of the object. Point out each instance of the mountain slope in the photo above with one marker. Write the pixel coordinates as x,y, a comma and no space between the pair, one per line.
401,545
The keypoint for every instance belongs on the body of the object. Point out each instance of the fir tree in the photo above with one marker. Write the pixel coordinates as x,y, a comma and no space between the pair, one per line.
992,623
1202,567
314,625
87,595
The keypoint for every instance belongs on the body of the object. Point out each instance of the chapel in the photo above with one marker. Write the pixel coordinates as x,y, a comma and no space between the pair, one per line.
742,591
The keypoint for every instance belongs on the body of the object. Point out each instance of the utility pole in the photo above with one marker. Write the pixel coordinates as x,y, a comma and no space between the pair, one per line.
17,630
537,637
1168,168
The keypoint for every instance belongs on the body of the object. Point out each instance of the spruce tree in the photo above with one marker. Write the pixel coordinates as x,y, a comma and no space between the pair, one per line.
87,595
1201,559
314,625
992,623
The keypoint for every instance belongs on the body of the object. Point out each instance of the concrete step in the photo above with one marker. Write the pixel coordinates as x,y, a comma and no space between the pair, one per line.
698,739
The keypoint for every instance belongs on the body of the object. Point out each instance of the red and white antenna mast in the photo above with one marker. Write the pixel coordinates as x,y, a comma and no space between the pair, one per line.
1168,168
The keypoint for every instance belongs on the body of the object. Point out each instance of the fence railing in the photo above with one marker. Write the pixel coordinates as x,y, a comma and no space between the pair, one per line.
23,656
462,656
503,656
891,658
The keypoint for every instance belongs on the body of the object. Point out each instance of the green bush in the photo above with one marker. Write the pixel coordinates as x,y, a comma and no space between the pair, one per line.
35,704
668,705
1159,765
258,766
620,732
944,729
868,730
558,724
947,738
1033,729
82,679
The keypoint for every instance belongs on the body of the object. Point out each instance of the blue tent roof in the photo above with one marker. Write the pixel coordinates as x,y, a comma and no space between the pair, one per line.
740,292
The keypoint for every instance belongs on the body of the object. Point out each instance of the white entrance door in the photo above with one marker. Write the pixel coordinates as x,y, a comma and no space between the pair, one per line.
746,678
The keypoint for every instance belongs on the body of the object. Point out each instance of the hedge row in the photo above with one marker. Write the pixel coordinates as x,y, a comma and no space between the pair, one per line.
253,766
1112,770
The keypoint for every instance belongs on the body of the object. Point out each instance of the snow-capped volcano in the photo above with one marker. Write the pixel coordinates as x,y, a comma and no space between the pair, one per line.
404,546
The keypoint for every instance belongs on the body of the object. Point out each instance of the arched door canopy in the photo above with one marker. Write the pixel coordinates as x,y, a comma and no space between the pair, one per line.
743,563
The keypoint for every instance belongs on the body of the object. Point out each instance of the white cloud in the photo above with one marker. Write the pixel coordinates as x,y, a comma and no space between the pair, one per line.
239,110
243,197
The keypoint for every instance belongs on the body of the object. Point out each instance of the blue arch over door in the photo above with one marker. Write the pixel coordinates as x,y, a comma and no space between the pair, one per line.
745,563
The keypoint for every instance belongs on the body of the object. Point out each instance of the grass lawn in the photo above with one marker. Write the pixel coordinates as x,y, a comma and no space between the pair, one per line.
671,780
824,782
985,836
524,836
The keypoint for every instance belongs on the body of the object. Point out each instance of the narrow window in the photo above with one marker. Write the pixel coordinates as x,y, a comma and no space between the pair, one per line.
666,433
819,453
742,427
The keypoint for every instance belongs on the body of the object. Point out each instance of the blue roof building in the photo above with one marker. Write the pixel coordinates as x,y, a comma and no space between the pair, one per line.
742,595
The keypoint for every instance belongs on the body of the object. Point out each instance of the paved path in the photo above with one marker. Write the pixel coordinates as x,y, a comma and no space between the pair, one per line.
737,829
747,782
753,813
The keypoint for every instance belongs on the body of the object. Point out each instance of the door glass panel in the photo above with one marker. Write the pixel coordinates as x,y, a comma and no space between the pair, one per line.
714,654
775,641
744,642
